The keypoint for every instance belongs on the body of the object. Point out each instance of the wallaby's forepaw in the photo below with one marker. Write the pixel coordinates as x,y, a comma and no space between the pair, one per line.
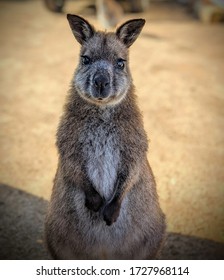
111,213
94,202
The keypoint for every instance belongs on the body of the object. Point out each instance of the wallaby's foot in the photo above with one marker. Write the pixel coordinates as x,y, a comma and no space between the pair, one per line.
111,212
94,201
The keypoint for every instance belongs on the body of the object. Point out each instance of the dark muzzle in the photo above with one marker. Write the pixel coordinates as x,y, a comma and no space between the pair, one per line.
101,86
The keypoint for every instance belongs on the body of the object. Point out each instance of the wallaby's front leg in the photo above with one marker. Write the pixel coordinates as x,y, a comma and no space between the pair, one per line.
112,209
93,199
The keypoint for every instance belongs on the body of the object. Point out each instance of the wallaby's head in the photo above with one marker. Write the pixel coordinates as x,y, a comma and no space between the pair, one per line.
103,76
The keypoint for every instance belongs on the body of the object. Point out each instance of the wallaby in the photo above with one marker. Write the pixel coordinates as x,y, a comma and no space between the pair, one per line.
104,203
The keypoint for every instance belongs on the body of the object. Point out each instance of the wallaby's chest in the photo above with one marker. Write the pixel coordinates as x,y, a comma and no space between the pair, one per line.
102,157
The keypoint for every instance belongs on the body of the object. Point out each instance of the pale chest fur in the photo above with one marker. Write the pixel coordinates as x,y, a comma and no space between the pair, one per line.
102,156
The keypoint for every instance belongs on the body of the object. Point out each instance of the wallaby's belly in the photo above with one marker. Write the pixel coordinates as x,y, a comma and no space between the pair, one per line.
102,155
128,238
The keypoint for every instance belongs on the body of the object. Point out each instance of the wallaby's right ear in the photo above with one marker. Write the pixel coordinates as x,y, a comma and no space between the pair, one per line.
81,29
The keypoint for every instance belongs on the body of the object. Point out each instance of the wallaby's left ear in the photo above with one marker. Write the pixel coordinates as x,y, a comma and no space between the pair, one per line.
129,31
81,29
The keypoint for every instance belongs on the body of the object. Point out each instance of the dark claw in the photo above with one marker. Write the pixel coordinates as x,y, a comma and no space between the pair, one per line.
94,202
111,213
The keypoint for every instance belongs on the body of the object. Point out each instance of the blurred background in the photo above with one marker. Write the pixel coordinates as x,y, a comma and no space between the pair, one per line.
178,70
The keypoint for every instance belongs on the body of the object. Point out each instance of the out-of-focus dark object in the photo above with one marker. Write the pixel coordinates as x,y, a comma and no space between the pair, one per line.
133,5
55,5
209,11
138,6
109,12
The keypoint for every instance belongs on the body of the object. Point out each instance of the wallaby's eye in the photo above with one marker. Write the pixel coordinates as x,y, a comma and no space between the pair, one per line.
85,60
120,63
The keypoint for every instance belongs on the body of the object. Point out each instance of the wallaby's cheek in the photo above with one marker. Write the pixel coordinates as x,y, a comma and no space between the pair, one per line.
83,84
121,85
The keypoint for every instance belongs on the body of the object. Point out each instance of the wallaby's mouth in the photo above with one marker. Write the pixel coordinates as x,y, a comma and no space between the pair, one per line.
101,100
98,100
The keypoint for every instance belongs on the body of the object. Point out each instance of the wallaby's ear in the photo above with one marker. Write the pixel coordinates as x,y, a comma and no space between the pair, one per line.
129,31
81,29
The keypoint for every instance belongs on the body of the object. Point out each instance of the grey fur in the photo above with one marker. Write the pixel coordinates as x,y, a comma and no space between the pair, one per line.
104,203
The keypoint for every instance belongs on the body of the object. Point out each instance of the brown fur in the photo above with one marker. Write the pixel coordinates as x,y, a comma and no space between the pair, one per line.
104,203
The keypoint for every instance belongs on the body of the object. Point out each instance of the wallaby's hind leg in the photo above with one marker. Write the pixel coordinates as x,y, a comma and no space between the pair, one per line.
49,245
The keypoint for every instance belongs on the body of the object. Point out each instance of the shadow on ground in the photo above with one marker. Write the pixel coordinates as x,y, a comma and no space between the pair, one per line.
21,232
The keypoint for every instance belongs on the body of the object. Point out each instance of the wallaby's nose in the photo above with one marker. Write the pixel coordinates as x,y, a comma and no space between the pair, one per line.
101,82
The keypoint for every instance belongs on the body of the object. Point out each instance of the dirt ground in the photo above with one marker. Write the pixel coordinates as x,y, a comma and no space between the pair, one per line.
177,67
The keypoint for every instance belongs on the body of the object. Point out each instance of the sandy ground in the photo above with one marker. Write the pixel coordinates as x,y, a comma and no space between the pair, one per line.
177,66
